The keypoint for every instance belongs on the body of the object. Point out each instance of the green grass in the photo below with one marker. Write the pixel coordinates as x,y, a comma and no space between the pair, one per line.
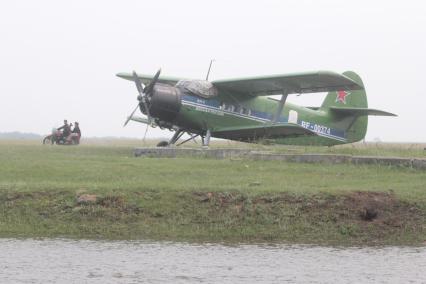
197,199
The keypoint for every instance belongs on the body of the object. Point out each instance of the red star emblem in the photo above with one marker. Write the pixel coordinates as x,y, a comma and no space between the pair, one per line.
341,96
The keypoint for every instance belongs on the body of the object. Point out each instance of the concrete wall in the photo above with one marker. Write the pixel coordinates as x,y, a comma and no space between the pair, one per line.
416,163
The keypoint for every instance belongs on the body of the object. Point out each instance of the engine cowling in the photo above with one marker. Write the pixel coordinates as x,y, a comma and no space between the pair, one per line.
165,102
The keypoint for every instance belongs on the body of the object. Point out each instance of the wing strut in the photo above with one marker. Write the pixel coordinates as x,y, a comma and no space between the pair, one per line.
280,107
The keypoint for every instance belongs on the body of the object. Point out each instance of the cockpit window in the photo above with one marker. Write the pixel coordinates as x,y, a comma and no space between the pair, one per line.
200,88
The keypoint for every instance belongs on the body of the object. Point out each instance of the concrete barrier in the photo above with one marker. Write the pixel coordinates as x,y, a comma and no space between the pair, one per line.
180,152
162,152
419,164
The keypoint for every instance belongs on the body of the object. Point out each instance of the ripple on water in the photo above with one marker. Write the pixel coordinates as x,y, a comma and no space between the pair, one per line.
69,261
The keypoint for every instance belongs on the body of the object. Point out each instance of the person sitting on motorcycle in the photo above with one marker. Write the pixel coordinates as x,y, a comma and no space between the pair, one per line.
66,130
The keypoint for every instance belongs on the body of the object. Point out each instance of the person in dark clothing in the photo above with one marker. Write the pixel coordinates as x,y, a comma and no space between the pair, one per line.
75,135
66,129
76,129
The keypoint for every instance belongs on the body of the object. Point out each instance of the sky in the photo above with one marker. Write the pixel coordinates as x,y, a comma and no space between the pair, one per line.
58,59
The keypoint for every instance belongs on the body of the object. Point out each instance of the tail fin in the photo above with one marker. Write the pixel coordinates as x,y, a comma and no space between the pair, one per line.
355,125
347,98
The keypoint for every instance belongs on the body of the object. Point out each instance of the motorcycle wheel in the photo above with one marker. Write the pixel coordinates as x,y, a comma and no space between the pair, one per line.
47,140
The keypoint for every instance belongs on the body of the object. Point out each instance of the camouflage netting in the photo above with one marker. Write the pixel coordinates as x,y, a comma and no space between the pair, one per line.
200,88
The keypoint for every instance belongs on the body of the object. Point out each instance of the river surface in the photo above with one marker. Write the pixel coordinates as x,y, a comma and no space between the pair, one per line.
70,261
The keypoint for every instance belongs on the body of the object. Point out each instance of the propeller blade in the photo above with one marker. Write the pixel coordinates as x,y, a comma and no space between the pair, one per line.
139,85
142,94
148,90
131,115
157,75
146,107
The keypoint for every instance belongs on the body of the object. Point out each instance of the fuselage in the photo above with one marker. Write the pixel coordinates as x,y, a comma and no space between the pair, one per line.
227,111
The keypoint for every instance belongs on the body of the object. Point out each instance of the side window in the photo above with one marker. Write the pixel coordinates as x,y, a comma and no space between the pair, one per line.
229,107
246,111
234,108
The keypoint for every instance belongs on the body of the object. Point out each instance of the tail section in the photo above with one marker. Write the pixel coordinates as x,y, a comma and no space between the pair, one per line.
355,123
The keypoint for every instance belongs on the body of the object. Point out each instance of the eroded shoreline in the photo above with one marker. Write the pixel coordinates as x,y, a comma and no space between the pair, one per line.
354,218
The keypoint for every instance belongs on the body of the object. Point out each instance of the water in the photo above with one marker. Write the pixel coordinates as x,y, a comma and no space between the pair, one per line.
68,261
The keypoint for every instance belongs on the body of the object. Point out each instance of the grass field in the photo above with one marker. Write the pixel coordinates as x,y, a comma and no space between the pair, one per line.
197,199
417,150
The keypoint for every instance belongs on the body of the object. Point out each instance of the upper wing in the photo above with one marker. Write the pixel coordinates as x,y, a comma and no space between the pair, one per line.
252,133
309,82
147,78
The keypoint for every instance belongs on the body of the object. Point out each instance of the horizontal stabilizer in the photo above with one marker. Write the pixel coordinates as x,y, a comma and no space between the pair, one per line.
359,111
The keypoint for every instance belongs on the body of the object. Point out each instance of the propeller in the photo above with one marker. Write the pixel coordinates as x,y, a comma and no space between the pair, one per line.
130,116
148,90
145,92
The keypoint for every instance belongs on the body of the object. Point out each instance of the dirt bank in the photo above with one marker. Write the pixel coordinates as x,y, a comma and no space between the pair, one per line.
355,218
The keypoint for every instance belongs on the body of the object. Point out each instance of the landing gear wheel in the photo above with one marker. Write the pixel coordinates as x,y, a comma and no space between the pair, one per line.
163,144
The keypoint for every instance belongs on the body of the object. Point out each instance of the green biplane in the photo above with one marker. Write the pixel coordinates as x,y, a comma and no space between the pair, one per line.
240,109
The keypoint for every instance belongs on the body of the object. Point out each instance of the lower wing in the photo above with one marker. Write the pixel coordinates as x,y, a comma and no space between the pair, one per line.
267,131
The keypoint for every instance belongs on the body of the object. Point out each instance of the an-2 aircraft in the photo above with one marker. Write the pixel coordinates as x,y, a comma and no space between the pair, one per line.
239,109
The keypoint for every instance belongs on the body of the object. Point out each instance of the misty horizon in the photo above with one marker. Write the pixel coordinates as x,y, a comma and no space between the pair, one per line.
60,59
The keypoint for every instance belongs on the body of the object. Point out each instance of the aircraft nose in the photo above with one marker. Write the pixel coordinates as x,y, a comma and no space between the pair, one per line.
165,102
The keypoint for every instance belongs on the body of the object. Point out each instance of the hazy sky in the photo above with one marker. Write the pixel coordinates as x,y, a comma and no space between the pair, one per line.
58,59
